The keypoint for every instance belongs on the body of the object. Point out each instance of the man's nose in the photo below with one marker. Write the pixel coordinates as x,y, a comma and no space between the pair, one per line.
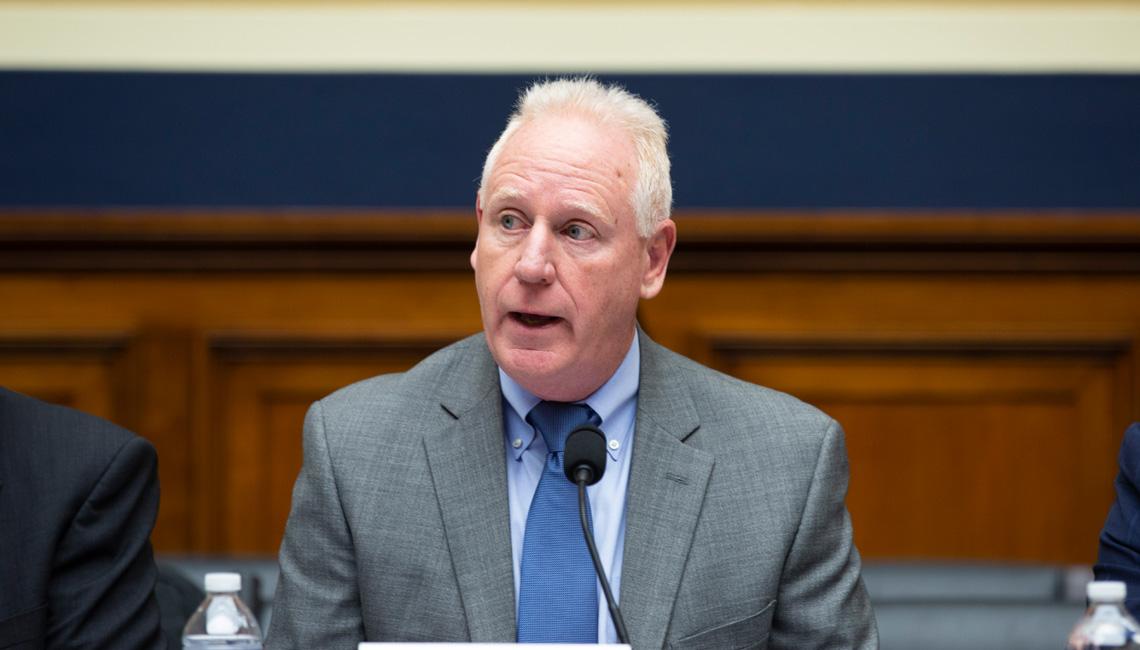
535,264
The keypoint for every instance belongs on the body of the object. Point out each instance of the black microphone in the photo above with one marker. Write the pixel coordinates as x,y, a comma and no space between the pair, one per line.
584,461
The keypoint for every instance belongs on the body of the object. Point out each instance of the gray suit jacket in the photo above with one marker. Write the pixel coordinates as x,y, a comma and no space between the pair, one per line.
736,531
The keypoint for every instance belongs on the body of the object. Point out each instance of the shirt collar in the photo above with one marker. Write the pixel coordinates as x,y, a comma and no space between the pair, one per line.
605,401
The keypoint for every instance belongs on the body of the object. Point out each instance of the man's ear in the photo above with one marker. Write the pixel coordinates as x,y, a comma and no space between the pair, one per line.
478,220
658,249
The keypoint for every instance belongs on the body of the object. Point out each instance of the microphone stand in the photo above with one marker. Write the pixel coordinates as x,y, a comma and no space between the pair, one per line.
581,476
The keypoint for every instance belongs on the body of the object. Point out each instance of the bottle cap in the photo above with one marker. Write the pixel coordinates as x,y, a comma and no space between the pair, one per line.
217,582
1103,590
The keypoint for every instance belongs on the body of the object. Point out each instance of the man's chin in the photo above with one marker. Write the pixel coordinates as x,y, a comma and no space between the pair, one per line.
529,363
544,373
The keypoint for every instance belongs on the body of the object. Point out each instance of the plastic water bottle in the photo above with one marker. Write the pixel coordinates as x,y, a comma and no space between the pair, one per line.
1107,623
222,621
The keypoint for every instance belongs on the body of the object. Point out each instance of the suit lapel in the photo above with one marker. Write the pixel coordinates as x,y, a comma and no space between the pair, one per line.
667,485
468,470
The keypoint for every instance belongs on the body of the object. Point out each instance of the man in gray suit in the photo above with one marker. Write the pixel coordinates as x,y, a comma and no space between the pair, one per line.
720,518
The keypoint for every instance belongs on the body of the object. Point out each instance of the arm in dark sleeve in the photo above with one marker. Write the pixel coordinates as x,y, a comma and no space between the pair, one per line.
101,593
822,601
1119,555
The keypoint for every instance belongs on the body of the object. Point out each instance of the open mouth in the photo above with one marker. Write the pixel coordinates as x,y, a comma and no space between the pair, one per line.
533,320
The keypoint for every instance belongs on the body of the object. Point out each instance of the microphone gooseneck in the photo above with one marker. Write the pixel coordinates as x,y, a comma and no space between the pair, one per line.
584,461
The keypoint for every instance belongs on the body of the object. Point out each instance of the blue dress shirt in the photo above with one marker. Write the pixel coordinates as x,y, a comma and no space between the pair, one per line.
616,403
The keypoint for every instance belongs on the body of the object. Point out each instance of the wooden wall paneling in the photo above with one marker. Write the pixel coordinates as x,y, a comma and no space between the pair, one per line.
158,391
76,369
136,380
951,378
952,346
142,240
201,523
261,391
984,412
966,450
153,372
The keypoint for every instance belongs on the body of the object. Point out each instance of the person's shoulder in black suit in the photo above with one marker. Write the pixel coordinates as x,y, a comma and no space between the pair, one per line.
78,500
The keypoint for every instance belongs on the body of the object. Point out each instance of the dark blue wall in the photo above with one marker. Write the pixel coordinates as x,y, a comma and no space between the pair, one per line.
384,140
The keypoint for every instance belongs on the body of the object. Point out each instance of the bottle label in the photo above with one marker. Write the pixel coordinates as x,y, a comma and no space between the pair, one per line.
223,617
1108,629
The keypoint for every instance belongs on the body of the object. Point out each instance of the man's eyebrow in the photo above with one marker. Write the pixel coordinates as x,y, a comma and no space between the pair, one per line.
588,208
508,193
504,194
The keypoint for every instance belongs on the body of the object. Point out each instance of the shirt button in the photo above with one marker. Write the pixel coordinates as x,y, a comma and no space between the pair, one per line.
615,445
517,443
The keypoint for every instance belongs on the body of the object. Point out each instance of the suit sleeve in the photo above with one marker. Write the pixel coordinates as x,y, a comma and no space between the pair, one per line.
101,593
317,603
1119,554
822,601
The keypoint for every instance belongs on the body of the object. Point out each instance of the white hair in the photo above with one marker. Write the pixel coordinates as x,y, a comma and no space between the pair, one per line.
652,195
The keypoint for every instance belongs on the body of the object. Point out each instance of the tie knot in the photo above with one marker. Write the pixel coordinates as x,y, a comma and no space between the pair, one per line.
555,421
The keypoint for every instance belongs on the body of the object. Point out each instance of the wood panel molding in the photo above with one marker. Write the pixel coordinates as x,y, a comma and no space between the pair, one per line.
970,428
136,379
440,240
81,370
726,345
983,363
248,448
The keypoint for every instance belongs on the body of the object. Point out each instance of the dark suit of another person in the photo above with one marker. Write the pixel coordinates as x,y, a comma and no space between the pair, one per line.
1119,557
78,500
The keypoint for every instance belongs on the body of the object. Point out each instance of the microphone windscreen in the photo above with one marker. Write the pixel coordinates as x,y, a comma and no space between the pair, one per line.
585,447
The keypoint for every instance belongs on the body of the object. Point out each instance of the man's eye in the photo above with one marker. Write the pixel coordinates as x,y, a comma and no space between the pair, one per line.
509,221
577,232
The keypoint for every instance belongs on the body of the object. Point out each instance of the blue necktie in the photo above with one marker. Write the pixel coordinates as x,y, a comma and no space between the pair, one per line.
558,590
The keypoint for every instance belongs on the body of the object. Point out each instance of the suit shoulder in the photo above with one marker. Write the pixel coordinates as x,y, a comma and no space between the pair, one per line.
1130,454
42,439
51,424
